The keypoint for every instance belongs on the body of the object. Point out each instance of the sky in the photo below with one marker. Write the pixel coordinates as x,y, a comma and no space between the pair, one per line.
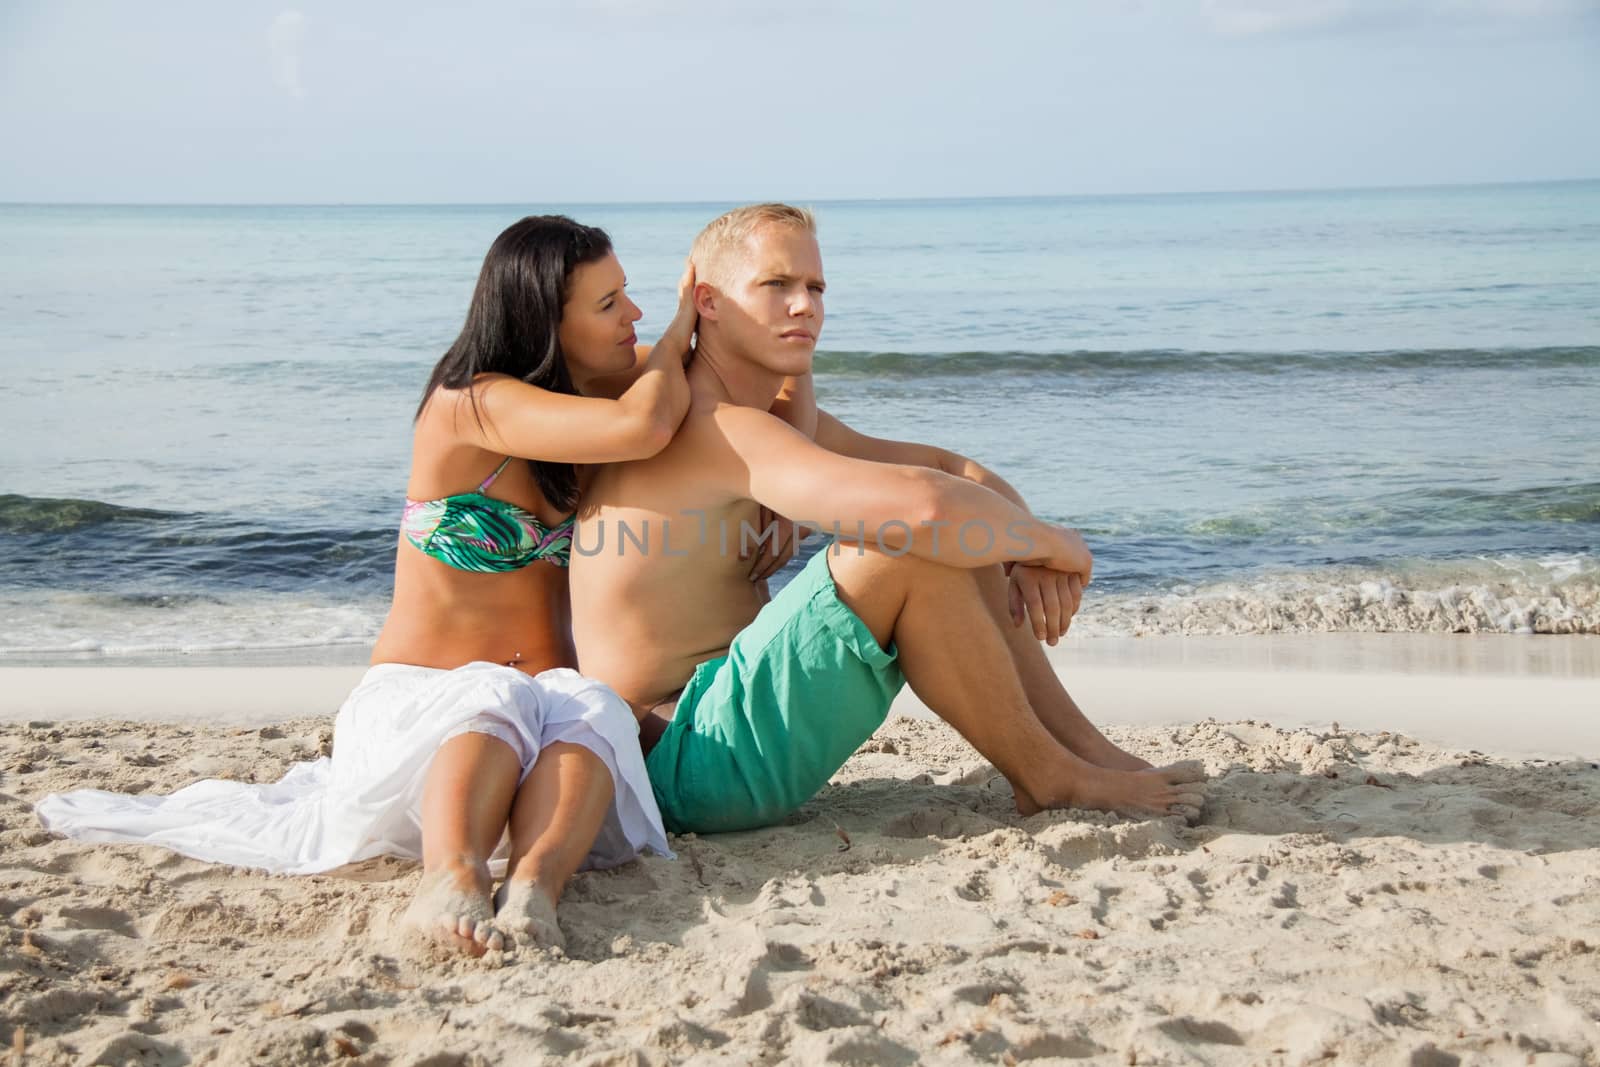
582,101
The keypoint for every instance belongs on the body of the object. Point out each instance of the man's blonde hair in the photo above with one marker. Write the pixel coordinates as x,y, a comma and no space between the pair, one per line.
724,236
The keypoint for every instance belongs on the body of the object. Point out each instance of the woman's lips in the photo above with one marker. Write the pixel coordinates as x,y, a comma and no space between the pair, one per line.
631,339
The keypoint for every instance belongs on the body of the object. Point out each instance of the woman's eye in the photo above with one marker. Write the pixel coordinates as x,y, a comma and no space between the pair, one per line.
608,305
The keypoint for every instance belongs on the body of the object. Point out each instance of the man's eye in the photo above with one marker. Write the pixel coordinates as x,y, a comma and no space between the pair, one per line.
816,289
773,281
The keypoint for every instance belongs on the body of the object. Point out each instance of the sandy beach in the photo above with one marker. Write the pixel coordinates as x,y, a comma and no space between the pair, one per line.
1418,884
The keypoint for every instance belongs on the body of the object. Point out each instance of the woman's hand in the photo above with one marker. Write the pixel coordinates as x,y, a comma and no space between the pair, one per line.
679,335
769,555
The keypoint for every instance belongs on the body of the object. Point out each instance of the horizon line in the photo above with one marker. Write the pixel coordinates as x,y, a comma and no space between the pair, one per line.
1281,191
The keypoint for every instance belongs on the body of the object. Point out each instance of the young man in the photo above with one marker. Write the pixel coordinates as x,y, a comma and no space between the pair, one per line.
747,709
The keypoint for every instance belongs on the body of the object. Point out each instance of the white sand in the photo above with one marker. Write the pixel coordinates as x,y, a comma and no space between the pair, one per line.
1496,693
1511,695
1350,897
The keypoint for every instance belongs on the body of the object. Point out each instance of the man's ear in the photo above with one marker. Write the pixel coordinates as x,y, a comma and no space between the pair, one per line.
705,300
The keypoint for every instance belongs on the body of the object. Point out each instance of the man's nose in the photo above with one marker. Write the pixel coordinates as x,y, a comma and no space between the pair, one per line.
803,303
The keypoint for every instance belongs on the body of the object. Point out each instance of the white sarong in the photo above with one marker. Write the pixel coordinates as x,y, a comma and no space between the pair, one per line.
366,799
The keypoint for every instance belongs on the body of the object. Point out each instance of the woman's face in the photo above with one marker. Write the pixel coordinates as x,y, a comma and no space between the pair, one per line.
596,333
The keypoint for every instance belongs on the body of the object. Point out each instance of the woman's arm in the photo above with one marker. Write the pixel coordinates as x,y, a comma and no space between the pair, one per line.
508,416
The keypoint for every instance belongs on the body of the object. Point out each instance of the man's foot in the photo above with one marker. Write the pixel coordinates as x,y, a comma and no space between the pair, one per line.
451,909
1090,745
1112,758
524,910
1153,793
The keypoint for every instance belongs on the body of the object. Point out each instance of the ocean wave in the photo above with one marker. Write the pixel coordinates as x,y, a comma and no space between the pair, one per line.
30,514
1552,595
1088,363
1441,511
1559,595
1554,503
115,625
53,544
409,371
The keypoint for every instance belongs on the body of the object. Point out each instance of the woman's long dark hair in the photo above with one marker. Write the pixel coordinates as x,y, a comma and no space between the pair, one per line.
513,325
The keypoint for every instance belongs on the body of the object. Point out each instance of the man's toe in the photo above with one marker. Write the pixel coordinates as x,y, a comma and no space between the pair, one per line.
1189,770
1190,813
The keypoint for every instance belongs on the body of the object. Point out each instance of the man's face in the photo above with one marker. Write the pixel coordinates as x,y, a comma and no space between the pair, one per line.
771,306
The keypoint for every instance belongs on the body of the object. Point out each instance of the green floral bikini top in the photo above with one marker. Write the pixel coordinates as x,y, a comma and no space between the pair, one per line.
476,532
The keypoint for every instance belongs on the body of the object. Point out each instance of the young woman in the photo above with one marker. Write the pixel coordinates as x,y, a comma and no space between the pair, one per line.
471,726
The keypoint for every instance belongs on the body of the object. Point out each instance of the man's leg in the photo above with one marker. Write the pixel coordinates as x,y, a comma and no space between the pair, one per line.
557,815
956,658
1049,698
465,801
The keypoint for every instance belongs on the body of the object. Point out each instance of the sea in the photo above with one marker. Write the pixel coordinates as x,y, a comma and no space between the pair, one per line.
1365,410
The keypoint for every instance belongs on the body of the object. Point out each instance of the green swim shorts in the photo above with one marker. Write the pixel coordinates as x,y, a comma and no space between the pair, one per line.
757,732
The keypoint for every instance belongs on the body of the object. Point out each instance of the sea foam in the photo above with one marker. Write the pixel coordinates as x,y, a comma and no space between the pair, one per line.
1557,596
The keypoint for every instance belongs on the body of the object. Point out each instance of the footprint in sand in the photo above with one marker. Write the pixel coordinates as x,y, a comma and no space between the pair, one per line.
934,822
975,888
134,1047
112,920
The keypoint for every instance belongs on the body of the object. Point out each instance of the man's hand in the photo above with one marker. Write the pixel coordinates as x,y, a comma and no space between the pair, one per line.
767,556
1068,554
1048,598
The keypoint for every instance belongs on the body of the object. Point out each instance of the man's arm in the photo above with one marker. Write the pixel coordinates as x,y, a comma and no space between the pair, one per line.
1046,597
902,507
837,437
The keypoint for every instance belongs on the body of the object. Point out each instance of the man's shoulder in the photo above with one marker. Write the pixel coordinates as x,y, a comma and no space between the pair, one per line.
728,424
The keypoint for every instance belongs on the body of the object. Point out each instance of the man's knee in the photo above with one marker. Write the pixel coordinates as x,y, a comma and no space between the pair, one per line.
862,576
877,586
865,568
874,585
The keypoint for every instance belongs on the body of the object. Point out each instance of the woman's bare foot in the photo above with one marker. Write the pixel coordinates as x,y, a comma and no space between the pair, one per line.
452,909
526,911
1153,793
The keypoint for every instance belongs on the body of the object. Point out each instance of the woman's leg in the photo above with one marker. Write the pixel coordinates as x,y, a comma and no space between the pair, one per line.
465,802
554,821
